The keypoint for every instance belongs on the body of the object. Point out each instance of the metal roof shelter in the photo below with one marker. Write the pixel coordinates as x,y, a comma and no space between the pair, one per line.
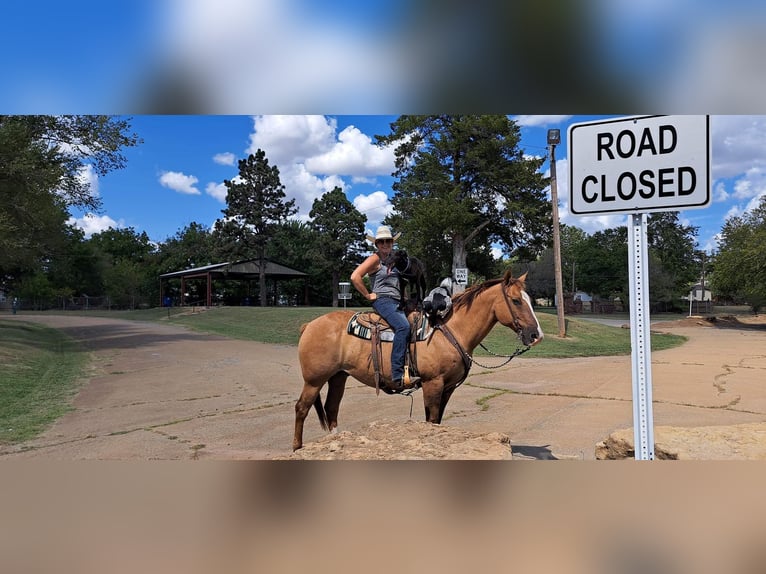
239,270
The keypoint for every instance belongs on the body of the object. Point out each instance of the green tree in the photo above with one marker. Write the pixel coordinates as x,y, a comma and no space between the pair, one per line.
340,226
464,184
296,244
42,162
255,206
193,246
130,266
602,263
673,261
739,266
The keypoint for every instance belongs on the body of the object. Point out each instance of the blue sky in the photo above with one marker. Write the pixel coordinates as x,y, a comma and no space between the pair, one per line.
176,175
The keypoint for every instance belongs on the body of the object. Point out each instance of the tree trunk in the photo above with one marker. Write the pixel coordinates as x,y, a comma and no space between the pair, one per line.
459,253
458,260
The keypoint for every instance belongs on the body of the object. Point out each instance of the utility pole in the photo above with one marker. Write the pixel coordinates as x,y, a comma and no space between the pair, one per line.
554,137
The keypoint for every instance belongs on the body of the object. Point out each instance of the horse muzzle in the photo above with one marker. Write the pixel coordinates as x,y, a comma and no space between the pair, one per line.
531,337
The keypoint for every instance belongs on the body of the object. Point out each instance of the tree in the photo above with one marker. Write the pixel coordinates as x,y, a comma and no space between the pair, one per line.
42,162
739,266
602,263
673,262
463,185
190,247
255,206
295,244
130,267
340,226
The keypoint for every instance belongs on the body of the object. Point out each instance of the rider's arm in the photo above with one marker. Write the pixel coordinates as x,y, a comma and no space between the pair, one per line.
367,266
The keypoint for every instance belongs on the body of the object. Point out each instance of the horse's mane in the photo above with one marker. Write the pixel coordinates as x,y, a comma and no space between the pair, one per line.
467,297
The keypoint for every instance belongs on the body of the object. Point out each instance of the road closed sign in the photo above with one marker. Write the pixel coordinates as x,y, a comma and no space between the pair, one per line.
639,164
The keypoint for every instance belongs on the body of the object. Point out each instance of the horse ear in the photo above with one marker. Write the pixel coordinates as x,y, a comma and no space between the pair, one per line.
523,278
508,276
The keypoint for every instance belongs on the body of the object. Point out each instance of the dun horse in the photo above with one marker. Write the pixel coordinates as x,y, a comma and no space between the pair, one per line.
328,354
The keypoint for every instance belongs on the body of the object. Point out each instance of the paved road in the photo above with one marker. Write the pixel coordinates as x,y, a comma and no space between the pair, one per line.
158,391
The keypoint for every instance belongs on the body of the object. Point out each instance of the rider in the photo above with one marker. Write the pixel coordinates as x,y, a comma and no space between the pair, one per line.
386,300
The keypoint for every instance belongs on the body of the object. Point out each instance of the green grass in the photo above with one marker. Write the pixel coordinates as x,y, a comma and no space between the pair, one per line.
281,325
584,339
39,370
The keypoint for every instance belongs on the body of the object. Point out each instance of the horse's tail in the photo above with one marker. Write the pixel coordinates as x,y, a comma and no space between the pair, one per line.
303,328
320,412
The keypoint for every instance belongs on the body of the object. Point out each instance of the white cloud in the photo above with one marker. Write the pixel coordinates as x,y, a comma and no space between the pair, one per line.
88,175
719,192
91,223
539,121
354,154
292,139
738,143
179,182
375,206
313,158
226,158
217,190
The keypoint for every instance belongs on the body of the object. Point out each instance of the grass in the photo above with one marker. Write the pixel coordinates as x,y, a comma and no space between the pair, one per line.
39,370
281,326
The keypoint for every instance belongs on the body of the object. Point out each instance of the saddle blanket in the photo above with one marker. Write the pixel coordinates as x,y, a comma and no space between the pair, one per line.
360,326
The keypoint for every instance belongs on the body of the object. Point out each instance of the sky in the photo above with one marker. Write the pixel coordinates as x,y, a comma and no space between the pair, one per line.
175,177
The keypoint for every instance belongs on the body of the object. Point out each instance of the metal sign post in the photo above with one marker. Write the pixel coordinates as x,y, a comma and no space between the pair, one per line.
640,338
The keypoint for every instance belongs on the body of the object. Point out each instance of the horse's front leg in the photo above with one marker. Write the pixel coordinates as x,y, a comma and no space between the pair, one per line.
432,399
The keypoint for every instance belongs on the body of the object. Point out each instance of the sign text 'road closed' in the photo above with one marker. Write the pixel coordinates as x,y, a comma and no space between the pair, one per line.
639,164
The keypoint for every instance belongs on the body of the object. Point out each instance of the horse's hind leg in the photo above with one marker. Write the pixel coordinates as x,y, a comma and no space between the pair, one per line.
309,396
337,385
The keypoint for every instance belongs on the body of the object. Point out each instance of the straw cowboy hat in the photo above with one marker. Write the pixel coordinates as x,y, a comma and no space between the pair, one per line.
384,232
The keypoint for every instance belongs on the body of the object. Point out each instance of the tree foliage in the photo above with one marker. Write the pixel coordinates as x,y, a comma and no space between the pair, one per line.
255,207
43,161
464,184
340,227
739,266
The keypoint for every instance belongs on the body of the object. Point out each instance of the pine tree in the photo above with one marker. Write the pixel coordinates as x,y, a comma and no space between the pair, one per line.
255,206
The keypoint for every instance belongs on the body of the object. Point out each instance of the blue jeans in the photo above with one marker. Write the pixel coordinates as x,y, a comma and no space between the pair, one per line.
388,308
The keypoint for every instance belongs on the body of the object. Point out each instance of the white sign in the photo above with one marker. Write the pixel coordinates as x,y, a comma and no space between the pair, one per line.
461,275
639,164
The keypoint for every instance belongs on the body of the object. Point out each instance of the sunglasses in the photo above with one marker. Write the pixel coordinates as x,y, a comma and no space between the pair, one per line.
384,241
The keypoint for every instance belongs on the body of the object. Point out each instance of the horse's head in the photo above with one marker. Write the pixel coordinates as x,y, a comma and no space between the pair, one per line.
517,310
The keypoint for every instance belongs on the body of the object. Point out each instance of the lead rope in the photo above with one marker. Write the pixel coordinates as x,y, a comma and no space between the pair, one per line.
508,358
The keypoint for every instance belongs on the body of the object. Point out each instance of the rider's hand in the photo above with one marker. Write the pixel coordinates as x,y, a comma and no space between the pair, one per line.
372,296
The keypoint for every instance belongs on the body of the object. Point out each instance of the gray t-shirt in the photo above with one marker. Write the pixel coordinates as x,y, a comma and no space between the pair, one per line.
385,282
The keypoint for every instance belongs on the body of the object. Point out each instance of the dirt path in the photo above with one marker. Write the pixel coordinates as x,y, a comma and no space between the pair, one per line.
162,392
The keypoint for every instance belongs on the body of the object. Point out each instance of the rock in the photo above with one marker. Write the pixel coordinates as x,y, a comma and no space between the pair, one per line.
728,442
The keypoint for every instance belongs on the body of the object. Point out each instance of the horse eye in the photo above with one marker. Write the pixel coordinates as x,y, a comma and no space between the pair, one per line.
517,301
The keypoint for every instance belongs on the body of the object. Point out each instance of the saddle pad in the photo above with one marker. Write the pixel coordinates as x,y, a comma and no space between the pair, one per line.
360,326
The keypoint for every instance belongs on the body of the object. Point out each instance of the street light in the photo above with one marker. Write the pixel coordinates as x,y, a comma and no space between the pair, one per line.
554,138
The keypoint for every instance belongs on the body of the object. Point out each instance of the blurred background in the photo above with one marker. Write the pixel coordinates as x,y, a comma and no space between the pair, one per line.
376,57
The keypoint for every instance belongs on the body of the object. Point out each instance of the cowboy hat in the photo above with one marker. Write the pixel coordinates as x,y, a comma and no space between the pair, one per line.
384,232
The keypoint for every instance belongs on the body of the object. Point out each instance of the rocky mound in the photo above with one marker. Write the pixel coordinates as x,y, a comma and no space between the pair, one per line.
410,440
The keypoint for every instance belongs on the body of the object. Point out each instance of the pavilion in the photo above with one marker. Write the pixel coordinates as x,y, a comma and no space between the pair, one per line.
233,271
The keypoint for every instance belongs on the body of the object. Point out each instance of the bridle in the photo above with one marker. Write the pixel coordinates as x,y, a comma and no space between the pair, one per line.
509,304
469,359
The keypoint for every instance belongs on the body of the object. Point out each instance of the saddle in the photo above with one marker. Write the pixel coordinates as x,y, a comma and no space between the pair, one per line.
363,322
372,327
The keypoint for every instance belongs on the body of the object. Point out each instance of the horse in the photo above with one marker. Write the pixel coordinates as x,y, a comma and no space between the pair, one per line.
328,354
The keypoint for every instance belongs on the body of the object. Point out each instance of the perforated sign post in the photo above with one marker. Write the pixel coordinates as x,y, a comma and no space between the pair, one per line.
639,165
